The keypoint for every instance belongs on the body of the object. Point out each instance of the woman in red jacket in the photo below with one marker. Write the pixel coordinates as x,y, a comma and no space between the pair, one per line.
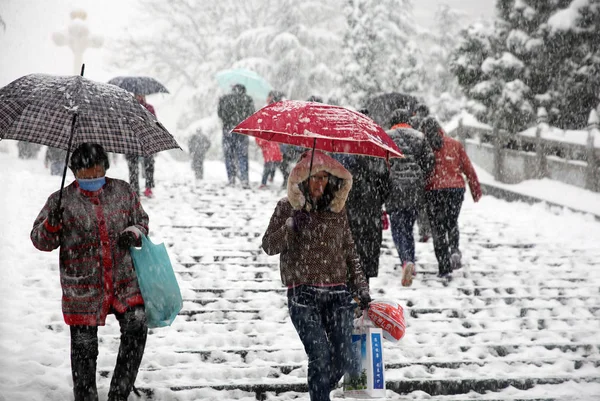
444,193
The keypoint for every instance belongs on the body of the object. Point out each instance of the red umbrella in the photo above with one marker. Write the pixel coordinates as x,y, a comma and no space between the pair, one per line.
319,126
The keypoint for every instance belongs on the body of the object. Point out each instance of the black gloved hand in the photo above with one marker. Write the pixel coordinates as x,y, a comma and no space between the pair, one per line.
300,219
55,217
127,239
364,298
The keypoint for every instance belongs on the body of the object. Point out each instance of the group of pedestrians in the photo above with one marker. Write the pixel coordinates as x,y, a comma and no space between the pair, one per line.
327,231
430,178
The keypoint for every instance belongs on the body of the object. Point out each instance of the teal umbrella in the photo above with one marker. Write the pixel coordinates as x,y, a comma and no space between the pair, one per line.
256,86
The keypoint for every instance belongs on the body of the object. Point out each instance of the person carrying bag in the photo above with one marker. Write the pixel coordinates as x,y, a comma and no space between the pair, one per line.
319,265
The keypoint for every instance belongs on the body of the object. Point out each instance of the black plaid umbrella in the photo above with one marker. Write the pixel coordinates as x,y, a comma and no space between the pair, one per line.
65,111
47,109
139,85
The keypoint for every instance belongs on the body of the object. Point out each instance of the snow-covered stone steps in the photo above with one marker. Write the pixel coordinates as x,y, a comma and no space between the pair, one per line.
522,312
459,312
284,369
222,373
208,393
433,387
280,347
411,301
390,269
564,323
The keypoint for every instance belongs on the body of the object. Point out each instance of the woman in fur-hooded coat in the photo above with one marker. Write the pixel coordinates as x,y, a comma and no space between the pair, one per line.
319,265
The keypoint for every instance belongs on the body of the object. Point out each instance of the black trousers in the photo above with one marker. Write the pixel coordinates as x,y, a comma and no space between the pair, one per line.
443,209
134,171
84,353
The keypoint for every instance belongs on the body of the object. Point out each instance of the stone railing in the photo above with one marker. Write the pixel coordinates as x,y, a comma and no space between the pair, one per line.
572,157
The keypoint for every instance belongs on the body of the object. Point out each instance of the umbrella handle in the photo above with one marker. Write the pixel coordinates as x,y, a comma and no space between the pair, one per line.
62,184
312,155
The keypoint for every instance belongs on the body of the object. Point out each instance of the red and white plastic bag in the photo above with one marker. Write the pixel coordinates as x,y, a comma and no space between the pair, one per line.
389,316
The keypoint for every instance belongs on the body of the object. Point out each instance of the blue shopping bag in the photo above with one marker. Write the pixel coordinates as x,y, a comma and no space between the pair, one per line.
162,297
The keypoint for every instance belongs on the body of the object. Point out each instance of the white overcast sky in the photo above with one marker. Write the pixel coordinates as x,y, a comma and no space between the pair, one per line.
26,45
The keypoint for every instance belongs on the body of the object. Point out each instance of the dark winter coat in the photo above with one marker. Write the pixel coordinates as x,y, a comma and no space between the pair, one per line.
408,175
234,108
451,162
323,252
364,205
95,274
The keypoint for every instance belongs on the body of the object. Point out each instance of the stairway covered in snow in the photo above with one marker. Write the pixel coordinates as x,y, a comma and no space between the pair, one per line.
519,321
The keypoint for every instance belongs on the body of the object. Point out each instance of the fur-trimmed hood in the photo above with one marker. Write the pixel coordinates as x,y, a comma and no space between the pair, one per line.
321,162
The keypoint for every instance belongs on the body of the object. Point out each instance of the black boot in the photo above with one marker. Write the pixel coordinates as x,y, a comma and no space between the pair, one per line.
84,353
133,341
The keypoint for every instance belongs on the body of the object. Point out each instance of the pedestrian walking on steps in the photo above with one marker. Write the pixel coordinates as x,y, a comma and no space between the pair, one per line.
406,195
444,192
198,145
365,207
272,152
99,219
319,265
271,157
365,204
55,160
133,161
234,108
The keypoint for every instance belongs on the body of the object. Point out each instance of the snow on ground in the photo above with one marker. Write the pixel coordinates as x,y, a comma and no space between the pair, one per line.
550,191
34,343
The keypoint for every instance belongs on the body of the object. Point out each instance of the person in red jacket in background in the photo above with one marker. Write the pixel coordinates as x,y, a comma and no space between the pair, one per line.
272,158
445,192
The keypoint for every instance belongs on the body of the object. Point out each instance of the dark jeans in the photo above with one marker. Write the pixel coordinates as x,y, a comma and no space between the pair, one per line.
443,206
423,222
84,353
269,170
134,171
235,151
323,318
198,165
402,222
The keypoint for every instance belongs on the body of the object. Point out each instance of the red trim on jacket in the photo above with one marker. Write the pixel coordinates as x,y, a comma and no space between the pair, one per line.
105,255
50,228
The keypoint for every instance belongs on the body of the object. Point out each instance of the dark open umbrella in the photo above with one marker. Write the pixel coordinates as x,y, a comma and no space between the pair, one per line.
380,107
139,85
66,111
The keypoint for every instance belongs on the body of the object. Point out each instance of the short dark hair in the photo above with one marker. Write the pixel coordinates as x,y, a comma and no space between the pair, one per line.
276,96
422,109
88,155
399,116
315,98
